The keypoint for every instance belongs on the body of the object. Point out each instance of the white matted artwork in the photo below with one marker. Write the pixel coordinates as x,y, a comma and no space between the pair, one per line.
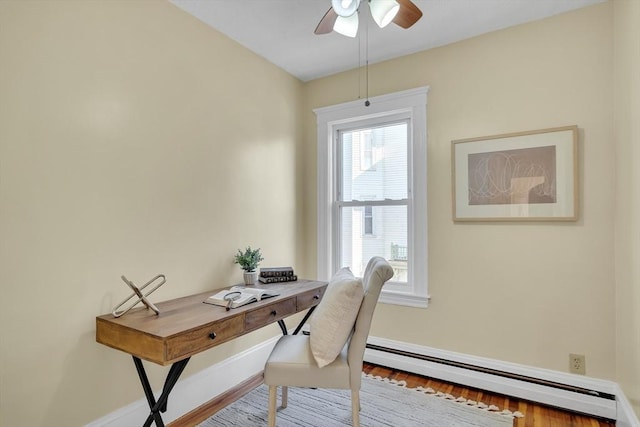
525,176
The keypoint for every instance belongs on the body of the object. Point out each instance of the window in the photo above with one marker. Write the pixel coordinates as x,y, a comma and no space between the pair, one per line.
367,160
372,165
368,221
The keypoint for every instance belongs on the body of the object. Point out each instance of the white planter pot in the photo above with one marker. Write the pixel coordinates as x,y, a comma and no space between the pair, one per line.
250,277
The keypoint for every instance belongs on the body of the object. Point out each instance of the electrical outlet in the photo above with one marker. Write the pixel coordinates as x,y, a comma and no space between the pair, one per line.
577,364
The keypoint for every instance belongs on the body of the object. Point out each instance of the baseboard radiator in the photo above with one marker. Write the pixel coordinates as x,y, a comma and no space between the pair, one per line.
580,394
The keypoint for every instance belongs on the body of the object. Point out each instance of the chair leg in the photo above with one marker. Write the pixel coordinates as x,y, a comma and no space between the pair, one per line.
355,408
273,391
285,396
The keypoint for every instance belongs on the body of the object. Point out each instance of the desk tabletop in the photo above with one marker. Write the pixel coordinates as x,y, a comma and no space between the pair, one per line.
187,325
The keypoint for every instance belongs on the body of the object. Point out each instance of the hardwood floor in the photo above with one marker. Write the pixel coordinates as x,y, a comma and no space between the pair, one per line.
534,415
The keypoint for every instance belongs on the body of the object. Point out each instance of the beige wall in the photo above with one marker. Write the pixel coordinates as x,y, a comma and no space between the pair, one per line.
627,229
528,293
132,141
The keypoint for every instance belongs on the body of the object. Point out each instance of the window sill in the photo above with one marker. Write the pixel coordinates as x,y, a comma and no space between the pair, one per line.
405,299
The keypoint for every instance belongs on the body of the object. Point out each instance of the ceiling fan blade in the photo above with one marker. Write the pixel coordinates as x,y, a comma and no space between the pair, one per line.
408,14
325,25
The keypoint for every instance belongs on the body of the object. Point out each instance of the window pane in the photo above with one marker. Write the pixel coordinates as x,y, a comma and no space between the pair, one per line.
374,163
389,239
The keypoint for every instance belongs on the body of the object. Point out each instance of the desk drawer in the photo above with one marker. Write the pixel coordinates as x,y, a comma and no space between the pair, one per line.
309,299
271,313
201,339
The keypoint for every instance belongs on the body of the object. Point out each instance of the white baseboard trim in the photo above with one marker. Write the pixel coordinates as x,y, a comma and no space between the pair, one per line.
205,385
619,409
196,389
626,415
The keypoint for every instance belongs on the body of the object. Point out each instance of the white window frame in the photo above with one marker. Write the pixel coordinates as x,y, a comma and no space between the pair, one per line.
412,105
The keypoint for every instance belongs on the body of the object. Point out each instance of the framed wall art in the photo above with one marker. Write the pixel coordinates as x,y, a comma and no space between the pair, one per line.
525,176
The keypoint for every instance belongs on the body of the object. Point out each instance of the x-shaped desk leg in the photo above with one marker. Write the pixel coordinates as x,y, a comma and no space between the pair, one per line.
172,378
283,326
169,383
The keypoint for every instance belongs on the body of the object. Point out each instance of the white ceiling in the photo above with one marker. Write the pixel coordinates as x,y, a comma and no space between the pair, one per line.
281,31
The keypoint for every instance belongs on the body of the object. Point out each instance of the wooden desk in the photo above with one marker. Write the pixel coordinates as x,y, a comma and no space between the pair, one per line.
187,326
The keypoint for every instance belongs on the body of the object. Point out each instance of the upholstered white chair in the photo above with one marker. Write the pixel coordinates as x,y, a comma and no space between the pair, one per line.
330,357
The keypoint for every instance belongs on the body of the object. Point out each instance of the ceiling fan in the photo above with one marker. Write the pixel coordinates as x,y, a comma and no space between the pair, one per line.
342,17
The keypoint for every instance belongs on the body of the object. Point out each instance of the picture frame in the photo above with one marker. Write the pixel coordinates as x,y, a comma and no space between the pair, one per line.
524,176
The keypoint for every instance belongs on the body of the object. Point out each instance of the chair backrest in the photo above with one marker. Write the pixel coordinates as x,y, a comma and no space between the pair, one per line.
376,274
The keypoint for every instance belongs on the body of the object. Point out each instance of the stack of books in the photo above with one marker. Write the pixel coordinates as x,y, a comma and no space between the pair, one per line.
277,275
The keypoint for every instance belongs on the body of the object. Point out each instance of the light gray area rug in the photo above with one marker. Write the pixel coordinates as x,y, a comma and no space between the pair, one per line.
384,403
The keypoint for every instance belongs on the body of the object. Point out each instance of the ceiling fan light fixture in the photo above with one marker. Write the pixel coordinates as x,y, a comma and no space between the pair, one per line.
383,11
347,26
345,8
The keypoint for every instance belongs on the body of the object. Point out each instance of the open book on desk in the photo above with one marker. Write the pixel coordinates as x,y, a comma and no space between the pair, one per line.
239,295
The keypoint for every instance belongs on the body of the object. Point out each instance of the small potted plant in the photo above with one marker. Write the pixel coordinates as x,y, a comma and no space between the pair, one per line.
249,261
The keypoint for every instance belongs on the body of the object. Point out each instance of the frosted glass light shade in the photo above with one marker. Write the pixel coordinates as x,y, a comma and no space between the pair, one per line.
383,11
345,8
347,26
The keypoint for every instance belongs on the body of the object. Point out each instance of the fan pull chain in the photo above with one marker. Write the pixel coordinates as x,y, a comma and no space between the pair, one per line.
359,63
366,28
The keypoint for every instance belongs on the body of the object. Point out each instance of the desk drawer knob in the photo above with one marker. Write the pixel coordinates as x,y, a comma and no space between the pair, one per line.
273,313
212,335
